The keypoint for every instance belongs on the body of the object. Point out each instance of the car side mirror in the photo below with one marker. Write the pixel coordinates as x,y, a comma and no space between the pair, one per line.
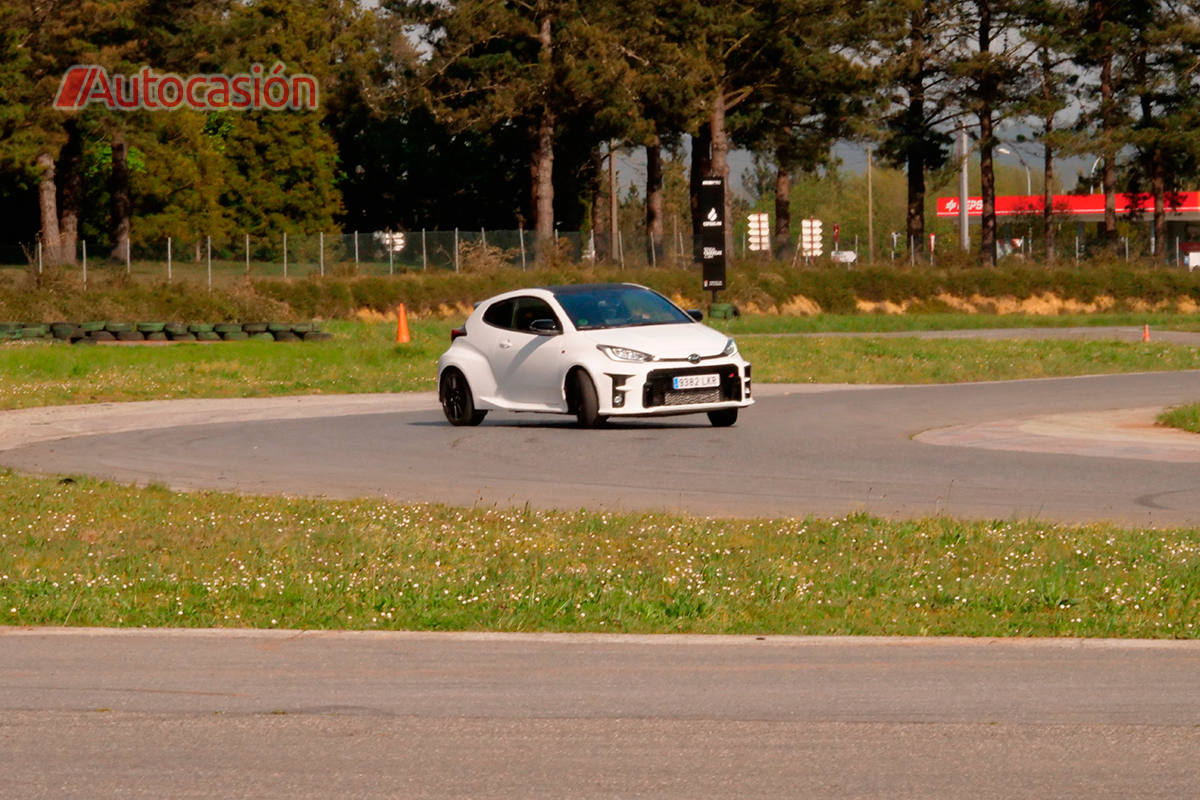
544,327
696,314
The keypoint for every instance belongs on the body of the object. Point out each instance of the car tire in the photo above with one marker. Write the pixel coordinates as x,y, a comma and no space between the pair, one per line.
723,418
587,404
457,402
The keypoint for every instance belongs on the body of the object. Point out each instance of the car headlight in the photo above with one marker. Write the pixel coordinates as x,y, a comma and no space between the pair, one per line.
730,348
623,353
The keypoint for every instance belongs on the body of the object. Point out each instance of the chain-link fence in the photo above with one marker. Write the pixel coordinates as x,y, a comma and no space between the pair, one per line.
224,259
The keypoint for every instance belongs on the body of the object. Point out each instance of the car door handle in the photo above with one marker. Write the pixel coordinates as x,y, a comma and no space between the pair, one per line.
505,344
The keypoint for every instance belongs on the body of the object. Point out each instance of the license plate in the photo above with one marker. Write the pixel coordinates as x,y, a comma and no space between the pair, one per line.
696,381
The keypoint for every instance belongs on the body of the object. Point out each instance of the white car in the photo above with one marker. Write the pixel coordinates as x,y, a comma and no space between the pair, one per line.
592,350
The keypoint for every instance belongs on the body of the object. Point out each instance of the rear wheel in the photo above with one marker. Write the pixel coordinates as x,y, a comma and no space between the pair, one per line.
723,418
587,404
457,402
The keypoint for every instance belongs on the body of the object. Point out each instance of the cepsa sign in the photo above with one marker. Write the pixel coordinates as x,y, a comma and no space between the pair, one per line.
1084,208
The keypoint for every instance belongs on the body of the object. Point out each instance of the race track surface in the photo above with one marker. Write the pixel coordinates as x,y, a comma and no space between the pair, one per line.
291,714
1059,449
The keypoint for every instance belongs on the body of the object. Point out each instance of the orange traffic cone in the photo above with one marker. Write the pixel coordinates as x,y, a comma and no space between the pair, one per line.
1146,333
401,325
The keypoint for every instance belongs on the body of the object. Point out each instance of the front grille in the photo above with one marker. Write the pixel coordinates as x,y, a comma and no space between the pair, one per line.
691,397
658,391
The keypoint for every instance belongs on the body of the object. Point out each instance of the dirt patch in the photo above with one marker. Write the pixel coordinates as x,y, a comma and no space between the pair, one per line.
882,307
800,306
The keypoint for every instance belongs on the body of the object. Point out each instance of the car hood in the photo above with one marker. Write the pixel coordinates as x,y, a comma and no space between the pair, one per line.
663,341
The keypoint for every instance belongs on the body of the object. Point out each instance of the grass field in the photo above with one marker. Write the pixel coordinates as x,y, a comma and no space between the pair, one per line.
85,552
90,553
363,357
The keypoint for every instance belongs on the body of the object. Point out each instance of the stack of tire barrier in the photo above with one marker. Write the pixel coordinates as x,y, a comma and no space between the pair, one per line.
98,332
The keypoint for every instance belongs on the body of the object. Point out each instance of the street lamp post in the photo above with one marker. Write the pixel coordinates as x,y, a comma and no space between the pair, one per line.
1028,175
1028,188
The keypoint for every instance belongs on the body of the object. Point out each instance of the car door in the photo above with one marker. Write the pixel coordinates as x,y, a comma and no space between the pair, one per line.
534,365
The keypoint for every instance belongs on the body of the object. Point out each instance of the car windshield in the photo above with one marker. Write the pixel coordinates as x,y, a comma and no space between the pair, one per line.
595,307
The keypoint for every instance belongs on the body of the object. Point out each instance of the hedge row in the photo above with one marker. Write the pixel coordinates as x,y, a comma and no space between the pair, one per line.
102,331
763,285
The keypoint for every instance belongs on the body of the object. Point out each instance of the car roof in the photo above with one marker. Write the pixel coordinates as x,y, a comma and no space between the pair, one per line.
580,288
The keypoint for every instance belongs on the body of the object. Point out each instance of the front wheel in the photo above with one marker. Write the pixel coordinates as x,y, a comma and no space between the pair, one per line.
723,418
457,402
587,404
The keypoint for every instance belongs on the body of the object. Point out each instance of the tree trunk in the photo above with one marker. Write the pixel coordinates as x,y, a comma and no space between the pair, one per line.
542,167
987,181
48,208
599,206
782,239
654,199
122,207
70,194
916,201
914,121
1108,128
701,166
1048,195
720,159
1047,76
987,177
1158,185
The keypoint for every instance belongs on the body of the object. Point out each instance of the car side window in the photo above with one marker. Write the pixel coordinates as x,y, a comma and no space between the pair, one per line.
530,309
500,314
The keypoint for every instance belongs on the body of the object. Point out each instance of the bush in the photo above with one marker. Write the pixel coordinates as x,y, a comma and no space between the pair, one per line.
766,285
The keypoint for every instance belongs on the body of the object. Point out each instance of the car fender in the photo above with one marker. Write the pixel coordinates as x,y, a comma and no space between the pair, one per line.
590,370
471,363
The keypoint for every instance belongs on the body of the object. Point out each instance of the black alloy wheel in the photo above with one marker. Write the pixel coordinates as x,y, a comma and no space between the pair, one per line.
457,402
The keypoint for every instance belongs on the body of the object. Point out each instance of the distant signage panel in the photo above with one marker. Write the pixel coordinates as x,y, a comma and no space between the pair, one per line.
712,232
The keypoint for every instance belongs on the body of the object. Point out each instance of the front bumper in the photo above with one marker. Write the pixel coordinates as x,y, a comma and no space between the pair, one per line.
649,389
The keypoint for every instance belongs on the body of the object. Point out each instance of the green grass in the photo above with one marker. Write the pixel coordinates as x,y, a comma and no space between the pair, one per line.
895,323
363,357
94,553
1183,417
905,360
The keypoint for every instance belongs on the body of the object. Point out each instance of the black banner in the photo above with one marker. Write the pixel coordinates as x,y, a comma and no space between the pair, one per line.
712,232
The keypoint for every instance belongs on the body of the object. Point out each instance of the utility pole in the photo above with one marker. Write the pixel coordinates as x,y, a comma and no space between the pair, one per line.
964,233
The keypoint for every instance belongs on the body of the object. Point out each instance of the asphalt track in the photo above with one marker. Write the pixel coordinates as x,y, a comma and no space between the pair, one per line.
1074,449
284,714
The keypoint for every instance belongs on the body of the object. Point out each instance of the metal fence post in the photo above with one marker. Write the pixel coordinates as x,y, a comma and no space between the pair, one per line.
285,255
84,243
521,232
321,238
456,249
168,259
391,253
39,257
621,248
356,251
247,236
208,259
483,237
128,269
424,252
